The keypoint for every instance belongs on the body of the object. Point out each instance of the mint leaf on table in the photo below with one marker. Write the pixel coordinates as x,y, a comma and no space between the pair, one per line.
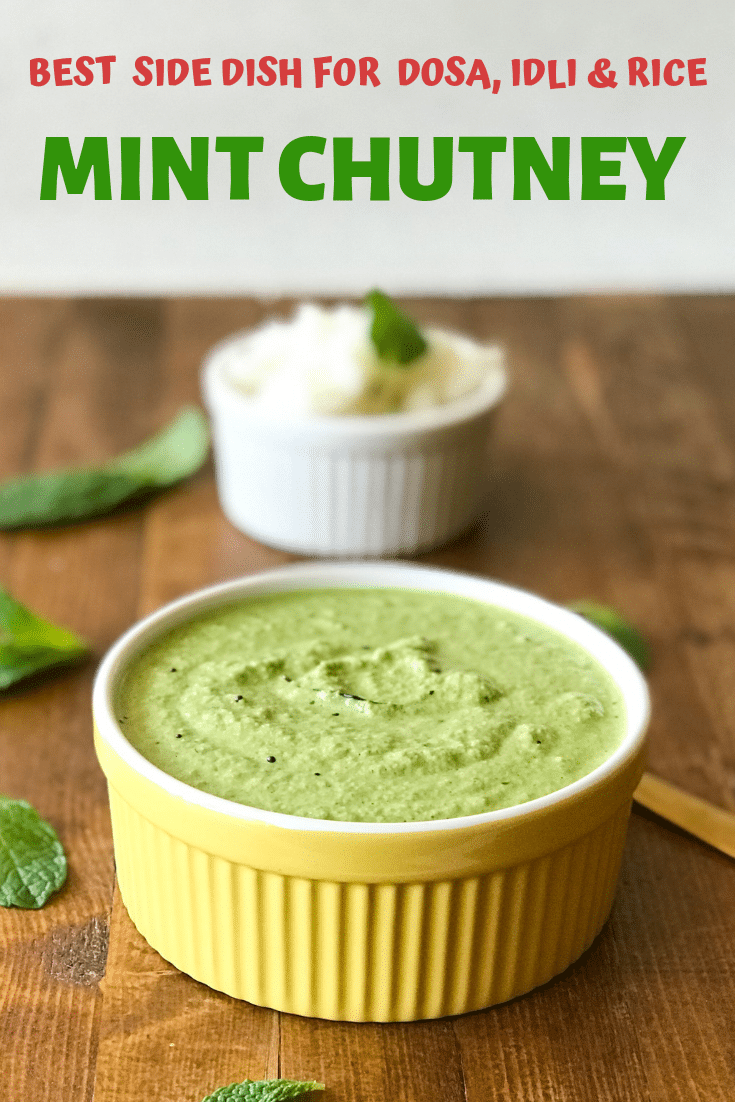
263,1090
393,334
176,452
614,625
29,643
31,501
32,861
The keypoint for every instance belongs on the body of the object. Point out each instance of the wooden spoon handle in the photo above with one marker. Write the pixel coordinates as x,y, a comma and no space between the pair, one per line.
702,819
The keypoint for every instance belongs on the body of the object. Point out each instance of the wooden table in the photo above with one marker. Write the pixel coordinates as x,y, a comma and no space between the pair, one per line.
614,479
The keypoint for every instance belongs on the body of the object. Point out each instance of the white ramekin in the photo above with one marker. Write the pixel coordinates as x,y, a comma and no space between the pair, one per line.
364,921
373,485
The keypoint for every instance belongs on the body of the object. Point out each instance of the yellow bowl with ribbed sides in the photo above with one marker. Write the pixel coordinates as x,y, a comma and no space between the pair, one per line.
363,921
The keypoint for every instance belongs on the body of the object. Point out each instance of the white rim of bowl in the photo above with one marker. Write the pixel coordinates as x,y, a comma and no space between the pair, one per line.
218,390
371,575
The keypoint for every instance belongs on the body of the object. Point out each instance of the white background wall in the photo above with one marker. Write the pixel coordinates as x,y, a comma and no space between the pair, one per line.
273,244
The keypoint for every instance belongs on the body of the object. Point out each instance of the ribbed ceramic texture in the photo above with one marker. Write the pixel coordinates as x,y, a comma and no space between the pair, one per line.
363,951
364,504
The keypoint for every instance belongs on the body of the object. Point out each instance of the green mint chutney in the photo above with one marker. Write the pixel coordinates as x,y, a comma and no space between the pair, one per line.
370,705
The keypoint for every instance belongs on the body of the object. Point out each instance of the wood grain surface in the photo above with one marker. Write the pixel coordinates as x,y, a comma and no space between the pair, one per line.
614,479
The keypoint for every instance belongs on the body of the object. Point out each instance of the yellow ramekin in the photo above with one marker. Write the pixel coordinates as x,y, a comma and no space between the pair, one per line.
363,921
